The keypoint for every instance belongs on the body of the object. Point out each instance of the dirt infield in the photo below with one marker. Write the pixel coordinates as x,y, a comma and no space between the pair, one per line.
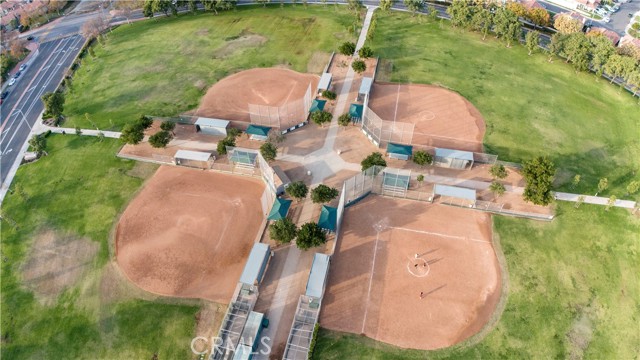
375,282
189,232
230,97
441,117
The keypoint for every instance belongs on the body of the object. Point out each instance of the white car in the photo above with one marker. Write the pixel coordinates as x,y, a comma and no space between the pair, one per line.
606,20
23,66
12,81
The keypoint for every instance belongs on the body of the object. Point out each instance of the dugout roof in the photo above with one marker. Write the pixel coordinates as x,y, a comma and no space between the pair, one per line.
253,267
192,155
454,191
454,154
325,81
258,130
400,149
317,105
328,218
365,85
280,209
318,275
355,111
207,122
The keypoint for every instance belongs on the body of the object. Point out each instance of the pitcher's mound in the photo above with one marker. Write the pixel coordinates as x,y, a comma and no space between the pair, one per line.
230,97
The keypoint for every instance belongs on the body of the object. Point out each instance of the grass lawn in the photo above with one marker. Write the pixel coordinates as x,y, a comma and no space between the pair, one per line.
163,67
574,291
531,107
78,191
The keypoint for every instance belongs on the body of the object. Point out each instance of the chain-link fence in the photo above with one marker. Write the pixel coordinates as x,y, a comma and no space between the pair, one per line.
282,117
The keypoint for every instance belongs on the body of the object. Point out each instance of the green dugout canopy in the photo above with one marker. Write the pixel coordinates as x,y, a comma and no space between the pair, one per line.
328,218
279,210
317,105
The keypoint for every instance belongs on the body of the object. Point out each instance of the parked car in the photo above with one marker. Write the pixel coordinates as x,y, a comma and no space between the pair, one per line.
4,95
606,20
12,81
30,37
23,66
17,75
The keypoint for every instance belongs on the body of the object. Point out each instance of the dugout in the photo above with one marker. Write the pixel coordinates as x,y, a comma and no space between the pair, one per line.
365,88
454,159
318,276
399,151
249,338
280,209
355,111
317,105
257,132
455,195
212,126
194,159
281,180
324,83
243,157
256,264
328,218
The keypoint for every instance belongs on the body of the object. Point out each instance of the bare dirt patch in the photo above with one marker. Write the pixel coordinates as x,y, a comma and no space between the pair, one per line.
56,261
442,118
237,44
230,97
188,233
142,170
318,62
375,283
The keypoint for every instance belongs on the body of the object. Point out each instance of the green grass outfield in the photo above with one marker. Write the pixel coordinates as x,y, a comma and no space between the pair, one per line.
574,290
79,190
160,67
531,107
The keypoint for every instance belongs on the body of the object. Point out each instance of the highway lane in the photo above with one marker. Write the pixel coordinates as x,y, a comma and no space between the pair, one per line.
42,76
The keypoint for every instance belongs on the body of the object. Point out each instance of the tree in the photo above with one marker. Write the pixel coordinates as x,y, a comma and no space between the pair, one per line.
633,187
482,21
422,158
132,133
385,5
566,24
17,47
517,8
420,179
145,121
556,45
222,144
414,6
283,231
160,139
53,104
359,66
375,159
78,131
506,25
538,174
355,6
498,171
532,41
322,194
126,7
38,144
576,181
514,32
329,94
297,190
94,27
344,119
321,117
580,201
497,189
578,49
539,17
601,50
168,126
365,52
310,235
460,12
614,66
603,184
432,13
347,48
268,151
611,202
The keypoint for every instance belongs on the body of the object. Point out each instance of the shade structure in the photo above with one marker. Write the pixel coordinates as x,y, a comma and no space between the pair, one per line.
328,218
258,130
317,105
355,111
280,209
455,191
399,149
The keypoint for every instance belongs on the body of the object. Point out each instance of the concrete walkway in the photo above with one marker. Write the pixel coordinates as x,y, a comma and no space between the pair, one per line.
70,131
596,200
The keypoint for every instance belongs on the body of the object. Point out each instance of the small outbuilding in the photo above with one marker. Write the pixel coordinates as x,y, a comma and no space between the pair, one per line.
328,218
194,159
365,88
212,126
257,132
325,83
317,105
455,159
399,151
256,264
281,180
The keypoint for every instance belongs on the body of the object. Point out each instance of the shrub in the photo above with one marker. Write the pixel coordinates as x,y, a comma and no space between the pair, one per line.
145,121
168,126
538,175
375,158
321,117
359,66
283,231
160,139
347,48
297,190
132,133
344,119
323,193
268,151
329,94
365,52
422,157
222,145
498,171
310,235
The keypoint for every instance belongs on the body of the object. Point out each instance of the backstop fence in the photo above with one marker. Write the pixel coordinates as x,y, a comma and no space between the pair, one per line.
381,132
282,117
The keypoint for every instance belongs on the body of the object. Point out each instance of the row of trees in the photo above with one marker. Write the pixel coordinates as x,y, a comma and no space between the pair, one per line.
319,195
309,235
167,7
12,53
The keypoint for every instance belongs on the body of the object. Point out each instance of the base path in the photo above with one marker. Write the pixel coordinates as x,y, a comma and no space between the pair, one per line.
189,232
380,288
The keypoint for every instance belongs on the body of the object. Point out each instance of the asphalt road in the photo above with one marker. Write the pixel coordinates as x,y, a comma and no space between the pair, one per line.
22,107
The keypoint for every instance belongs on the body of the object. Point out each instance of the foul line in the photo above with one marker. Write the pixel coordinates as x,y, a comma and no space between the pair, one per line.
395,113
441,235
373,264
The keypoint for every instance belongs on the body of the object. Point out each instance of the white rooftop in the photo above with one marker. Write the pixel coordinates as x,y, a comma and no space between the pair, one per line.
454,154
318,275
252,268
208,122
325,81
192,155
365,85
455,191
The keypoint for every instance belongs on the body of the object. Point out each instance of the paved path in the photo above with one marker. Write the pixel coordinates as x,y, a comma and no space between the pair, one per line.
85,132
596,200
